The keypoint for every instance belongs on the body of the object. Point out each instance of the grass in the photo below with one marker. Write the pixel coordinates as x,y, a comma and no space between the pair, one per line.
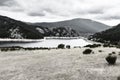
61,64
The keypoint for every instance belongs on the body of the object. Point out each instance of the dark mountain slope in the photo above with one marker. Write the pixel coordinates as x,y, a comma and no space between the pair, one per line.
111,35
10,28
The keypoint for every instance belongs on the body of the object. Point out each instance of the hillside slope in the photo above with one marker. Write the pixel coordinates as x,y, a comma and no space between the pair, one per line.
10,28
111,35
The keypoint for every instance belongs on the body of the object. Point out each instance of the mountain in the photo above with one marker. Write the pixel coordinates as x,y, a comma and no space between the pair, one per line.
80,25
111,35
10,28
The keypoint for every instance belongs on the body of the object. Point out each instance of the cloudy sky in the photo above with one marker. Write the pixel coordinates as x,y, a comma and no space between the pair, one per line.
105,11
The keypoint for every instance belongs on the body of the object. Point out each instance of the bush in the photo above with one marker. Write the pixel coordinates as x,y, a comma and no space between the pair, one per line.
87,51
61,46
77,47
118,78
37,48
12,48
100,51
119,53
68,46
111,59
108,45
93,45
113,53
4,49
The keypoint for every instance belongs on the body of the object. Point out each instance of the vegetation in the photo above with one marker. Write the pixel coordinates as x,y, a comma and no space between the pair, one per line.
61,46
113,53
13,48
68,46
118,45
108,45
93,45
17,48
118,78
37,48
87,51
64,32
77,47
100,51
111,59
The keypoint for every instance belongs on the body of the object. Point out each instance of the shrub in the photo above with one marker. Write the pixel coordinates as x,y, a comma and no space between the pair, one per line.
4,49
100,51
77,47
119,53
111,59
11,48
68,46
87,51
61,46
93,53
107,45
118,78
93,45
113,53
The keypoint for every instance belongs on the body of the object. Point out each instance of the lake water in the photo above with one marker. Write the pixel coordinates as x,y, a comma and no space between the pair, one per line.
50,43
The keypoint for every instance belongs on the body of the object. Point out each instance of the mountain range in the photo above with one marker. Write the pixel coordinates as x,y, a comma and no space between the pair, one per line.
14,29
78,24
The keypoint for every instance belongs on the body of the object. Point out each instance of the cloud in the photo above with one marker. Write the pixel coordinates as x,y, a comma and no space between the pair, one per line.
50,10
7,2
110,14
36,14
10,5
114,17
3,2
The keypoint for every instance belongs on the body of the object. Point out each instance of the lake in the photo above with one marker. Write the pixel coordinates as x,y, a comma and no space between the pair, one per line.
45,43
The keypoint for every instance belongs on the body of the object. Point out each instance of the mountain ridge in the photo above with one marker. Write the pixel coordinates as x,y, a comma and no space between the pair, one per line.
78,24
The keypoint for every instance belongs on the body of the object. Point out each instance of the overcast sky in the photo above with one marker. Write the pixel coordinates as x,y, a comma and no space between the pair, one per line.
105,11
